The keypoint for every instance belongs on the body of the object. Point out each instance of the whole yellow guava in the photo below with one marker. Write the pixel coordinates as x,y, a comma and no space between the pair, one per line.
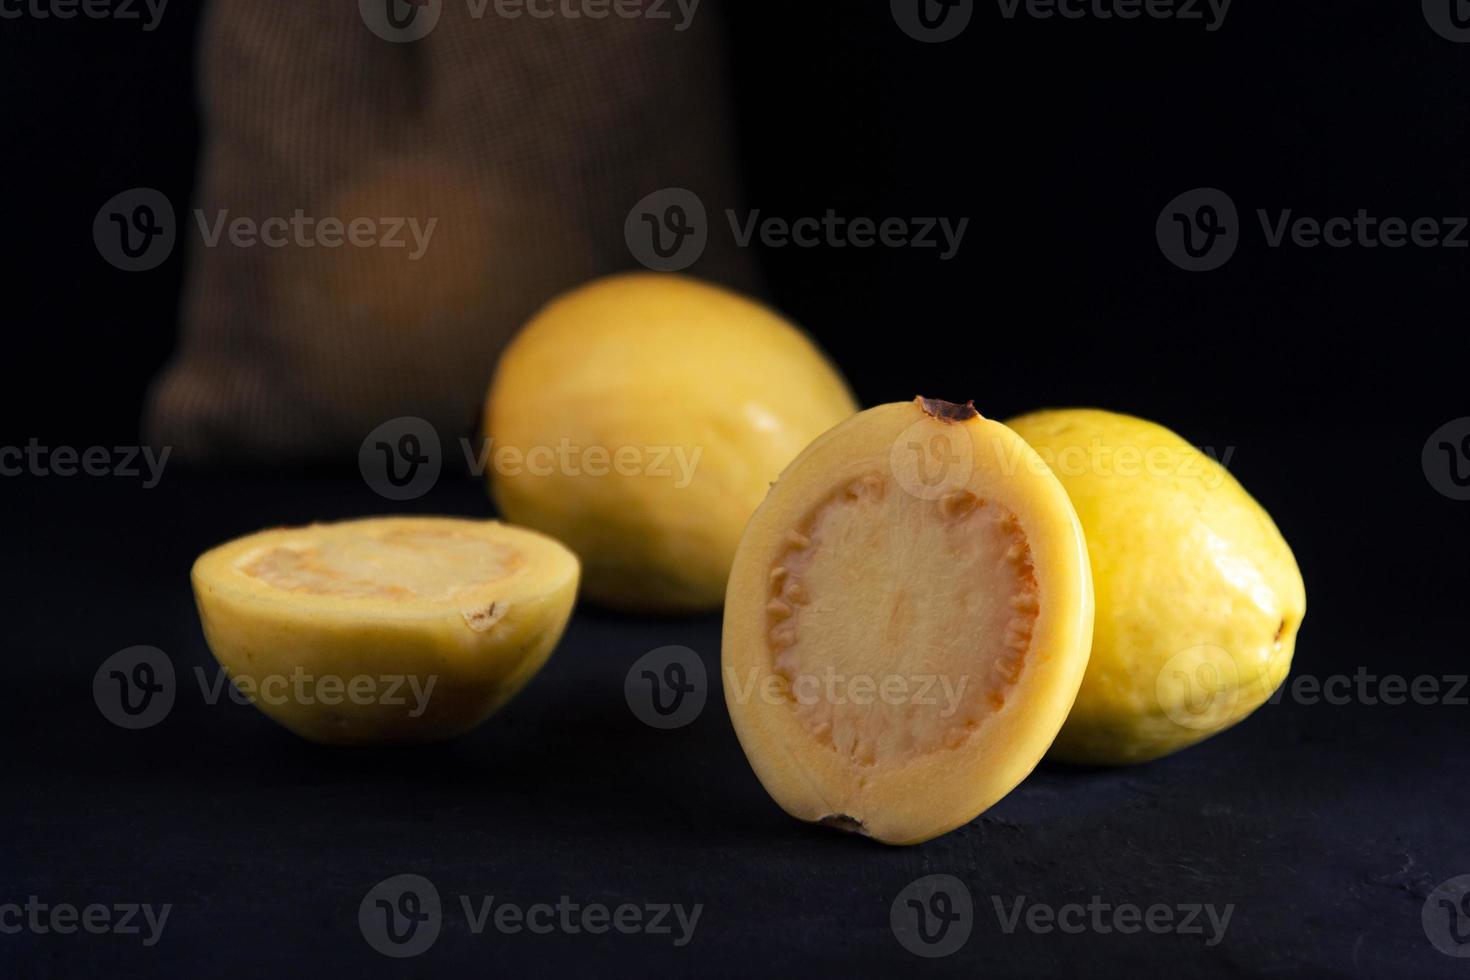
1199,598
640,419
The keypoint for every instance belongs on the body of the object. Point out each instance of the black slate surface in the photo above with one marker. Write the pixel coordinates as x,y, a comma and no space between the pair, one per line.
1322,827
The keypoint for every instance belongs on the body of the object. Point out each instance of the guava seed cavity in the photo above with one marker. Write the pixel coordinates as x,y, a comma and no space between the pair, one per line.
399,563
897,625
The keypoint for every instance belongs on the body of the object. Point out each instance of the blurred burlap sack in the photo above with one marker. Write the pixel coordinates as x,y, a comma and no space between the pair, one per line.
465,177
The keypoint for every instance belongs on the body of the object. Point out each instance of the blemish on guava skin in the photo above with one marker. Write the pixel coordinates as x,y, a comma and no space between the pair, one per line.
841,821
948,411
481,620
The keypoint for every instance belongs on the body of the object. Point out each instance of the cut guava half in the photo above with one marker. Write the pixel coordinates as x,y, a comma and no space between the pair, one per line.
384,629
907,622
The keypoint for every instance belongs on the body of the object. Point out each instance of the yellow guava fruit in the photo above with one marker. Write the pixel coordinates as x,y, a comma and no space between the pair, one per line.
384,629
640,419
907,622
1199,598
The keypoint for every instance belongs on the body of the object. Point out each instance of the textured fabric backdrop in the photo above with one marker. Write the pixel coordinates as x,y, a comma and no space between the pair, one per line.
528,139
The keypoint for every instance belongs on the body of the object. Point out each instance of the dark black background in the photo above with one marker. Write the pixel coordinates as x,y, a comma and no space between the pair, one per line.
1323,370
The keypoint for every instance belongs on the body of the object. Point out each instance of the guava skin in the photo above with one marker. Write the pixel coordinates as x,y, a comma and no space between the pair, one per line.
1199,597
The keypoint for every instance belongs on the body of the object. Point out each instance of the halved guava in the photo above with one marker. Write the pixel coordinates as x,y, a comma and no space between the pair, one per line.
384,629
907,622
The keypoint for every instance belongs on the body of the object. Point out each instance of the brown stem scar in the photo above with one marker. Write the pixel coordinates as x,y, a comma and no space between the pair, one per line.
947,411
